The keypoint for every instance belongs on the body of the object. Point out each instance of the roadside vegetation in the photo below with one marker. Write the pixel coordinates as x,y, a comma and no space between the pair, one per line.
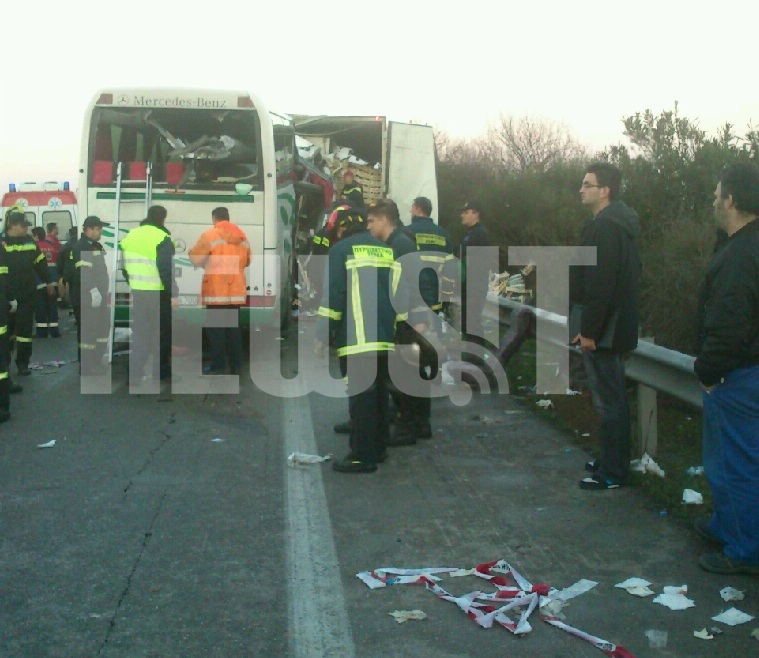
526,172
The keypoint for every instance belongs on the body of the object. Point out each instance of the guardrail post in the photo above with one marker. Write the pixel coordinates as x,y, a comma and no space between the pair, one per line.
648,435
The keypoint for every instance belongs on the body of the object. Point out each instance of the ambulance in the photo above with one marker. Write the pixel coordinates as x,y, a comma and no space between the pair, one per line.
43,203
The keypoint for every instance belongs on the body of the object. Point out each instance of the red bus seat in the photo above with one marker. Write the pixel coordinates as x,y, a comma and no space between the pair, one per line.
102,172
174,171
138,171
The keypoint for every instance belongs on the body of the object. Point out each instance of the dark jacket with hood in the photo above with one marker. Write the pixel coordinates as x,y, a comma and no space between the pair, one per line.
612,285
728,310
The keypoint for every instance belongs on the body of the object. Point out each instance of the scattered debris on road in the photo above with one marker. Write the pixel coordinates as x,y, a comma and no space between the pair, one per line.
656,639
732,617
674,598
703,634
299,458
49,444
405,615
731,594
636,586
691,497
695,470
489,608
646,465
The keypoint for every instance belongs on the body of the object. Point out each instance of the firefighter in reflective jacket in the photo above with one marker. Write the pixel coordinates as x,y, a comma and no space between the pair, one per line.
224,252
89,291
5,381
357,305
149,269
26,265
352,192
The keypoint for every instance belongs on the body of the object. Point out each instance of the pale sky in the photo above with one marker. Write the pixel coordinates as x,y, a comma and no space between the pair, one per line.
584,64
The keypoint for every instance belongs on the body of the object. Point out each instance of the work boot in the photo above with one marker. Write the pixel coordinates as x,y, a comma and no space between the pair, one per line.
15,388
23,370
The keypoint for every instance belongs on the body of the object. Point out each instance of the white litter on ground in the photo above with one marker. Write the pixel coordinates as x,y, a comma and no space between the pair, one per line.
405,615
297,458
636,586
732,617
691,497
656,639
49,444
674,598
646,465
695,470
544,404
731,594
703,634
217,440
755,633
580,587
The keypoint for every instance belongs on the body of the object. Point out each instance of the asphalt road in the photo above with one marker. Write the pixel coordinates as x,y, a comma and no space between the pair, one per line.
171,525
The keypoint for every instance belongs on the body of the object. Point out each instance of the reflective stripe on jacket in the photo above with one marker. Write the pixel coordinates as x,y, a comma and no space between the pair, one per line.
223,251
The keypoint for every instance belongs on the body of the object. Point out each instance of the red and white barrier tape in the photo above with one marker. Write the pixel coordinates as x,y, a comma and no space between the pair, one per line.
524,597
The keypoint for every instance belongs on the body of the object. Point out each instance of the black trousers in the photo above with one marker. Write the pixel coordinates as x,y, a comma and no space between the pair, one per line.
368,403
151,329
46,313
226,342
20,326
92,332
5,375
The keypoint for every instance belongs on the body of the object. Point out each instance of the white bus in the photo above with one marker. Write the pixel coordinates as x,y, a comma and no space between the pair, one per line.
190,151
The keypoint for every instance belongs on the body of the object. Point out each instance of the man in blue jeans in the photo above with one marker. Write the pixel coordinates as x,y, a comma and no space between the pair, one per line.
607,294
727,365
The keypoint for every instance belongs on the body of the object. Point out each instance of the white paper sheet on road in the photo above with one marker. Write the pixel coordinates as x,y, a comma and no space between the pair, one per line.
298,458
731,594
405,615
674,600
49,444
732,617
703,634
636,586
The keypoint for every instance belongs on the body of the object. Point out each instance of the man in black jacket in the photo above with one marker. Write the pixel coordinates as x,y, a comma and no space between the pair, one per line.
727,365
89,292
609,297
26,266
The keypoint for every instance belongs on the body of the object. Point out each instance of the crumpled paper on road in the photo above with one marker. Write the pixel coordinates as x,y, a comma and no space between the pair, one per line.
731,594
691,497
405,615
299,458
703,634
646,465
674,598
636,586
49,444
544,404
732,617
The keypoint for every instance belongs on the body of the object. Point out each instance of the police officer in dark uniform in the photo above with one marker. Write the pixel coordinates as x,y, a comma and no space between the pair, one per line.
474,290
26,265
89,291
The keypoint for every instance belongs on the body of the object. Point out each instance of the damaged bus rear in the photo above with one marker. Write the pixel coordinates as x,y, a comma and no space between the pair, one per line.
192,151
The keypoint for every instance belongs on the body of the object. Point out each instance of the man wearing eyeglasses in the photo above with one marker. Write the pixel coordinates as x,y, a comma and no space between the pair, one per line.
605,300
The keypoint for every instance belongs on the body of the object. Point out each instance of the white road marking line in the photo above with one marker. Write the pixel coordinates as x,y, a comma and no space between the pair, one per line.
318,617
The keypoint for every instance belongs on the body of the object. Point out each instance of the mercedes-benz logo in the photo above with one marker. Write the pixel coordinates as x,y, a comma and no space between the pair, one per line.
180,245
123,99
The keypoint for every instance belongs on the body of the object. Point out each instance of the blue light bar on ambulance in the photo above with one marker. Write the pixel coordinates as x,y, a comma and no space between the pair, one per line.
12,187
65,186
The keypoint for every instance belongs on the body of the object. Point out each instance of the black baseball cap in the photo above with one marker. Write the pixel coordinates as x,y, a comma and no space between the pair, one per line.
93,220
472,205
18,218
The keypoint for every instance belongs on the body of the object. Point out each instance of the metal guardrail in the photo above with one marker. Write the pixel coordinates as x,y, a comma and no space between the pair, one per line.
653,367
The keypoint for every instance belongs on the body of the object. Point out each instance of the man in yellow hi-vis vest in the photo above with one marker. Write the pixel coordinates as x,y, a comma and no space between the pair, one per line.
148,253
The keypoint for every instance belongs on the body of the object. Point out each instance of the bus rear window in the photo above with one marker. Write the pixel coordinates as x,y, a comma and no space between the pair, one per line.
189,149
